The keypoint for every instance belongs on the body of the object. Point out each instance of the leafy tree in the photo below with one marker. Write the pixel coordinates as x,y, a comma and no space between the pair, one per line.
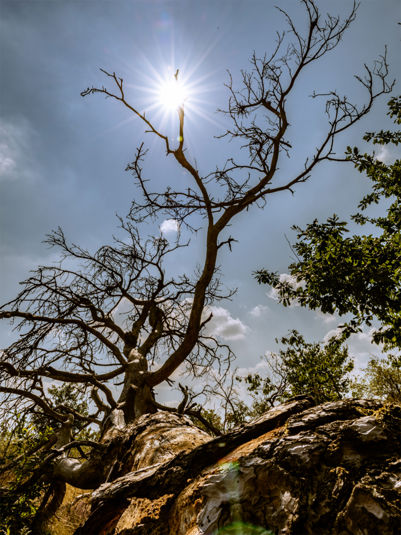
300,368
320,371
20,455
358,274
381,379
117,315
25,443
384,378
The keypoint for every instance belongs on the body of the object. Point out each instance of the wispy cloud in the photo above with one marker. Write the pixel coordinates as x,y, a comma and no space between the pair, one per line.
15,150
224,325
258,311
7,163
333,333
362,349
360,346
384,155
326,318
169,226
261,367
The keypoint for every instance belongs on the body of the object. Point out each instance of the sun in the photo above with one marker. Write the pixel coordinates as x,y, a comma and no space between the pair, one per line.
168,92
172,94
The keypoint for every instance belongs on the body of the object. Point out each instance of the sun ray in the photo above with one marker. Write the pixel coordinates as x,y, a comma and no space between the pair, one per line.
173,93
158,89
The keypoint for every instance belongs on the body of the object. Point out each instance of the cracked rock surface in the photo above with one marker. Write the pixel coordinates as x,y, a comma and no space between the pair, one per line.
332,469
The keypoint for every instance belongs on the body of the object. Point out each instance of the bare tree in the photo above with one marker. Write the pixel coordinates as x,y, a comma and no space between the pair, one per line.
115,315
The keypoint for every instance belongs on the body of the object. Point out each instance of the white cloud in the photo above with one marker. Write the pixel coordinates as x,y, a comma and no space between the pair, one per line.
384,155
15,154
169,226
326,318
333,333
360,346
224,325
261,367
292,281
363,337
7,164
272,294
258,311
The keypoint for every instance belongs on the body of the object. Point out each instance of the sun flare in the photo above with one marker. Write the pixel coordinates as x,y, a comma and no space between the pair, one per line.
168,91
172,94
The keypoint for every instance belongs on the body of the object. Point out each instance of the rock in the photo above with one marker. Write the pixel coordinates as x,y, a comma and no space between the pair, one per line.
334,469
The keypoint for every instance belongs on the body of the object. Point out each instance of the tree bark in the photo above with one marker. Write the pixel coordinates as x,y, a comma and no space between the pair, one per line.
162,474
332,468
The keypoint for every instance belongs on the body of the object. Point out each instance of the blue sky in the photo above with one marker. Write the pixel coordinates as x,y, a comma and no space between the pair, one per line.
62,157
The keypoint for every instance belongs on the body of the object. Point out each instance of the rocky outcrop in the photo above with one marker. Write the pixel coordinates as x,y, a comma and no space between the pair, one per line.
334,469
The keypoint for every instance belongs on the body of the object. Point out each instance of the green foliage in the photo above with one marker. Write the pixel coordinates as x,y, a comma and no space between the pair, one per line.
242,528
235,413
23,447
382,379
320,371
212,418
358,274
264,393
302,368
68,398
21,453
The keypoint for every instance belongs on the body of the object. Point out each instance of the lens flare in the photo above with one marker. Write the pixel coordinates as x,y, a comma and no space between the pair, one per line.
243,528
172,94
233,494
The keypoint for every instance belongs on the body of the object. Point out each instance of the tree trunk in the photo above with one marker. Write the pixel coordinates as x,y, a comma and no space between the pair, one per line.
136,397
333,469
151,440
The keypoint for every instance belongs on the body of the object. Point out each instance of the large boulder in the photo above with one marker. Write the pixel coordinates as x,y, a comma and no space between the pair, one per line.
332,469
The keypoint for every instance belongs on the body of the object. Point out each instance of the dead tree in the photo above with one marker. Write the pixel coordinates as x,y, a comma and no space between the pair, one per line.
115,316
